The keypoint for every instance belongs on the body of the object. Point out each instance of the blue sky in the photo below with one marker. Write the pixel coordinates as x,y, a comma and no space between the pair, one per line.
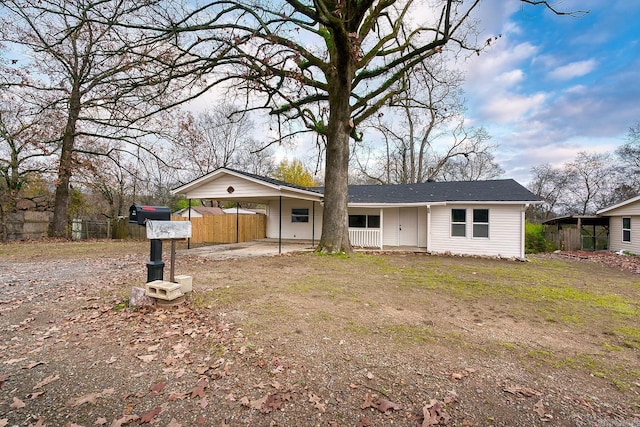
553,86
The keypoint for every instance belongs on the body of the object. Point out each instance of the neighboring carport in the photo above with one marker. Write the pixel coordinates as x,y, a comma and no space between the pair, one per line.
578,232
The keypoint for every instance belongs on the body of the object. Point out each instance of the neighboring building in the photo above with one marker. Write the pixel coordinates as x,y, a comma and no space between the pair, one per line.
242,211
199,211
624,225
470,217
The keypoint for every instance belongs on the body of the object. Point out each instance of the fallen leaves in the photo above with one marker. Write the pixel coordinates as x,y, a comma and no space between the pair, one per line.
47,380
522,391
199,389
149,416
146,358
17,404
434,414
90,398
3,378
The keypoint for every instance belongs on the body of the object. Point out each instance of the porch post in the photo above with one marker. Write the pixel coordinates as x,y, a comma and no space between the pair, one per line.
313,223
237,222
428,228
381,229
280,227
580,232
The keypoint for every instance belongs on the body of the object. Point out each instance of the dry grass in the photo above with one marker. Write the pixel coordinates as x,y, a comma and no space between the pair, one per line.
565,328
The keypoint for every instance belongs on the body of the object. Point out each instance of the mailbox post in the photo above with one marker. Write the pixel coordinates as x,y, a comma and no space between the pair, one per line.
140,215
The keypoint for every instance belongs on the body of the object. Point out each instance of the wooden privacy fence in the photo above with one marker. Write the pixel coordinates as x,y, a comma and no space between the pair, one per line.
226,228
566,239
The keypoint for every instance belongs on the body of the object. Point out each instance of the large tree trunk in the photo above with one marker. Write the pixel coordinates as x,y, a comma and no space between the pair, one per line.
335,215
60,225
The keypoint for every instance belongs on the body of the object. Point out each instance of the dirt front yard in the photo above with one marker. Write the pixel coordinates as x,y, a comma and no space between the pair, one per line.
308,340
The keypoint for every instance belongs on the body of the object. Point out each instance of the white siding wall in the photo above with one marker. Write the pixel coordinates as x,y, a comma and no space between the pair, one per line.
217,189
295,230
628,210
505,231
422,227
615,234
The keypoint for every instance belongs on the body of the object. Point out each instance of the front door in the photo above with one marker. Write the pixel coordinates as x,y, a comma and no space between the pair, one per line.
408,227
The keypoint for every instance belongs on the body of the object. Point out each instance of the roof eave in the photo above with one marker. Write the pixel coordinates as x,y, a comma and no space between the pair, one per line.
618,205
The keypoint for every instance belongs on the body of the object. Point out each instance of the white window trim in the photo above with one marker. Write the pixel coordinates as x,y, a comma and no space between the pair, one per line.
626,229
457,223
481,223
299,216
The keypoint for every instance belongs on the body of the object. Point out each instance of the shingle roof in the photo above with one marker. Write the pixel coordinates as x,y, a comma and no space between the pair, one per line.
501,190
273,180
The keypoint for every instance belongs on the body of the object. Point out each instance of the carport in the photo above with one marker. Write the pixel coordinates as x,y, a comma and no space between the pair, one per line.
230,185
578,232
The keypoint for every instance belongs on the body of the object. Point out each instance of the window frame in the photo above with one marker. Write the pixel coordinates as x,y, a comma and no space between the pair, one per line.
457,224
626,231
480,224
367,221
299,217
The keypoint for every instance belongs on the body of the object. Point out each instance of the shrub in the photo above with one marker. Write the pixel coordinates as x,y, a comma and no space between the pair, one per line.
534,240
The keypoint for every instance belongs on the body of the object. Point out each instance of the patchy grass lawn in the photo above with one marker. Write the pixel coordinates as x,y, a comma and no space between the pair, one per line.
305,339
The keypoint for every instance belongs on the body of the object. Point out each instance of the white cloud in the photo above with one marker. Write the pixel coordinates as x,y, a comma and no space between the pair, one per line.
510,78
510,107
573,69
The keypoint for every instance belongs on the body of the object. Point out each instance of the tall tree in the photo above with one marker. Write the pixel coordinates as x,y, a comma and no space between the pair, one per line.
591,181
81,67
295,173
219,137
548,183
580,187
329,64
424,133
27,145
629,155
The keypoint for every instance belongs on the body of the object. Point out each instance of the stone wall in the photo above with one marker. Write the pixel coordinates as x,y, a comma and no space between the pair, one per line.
27,225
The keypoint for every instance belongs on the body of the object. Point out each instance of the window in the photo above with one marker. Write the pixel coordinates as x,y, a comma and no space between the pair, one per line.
300,215
626,229
481,223
458,222
364,221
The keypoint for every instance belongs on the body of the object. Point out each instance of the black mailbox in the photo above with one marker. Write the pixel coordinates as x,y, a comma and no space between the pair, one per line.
140,214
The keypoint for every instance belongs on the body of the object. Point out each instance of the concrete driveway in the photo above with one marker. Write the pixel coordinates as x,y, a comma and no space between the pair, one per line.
256,248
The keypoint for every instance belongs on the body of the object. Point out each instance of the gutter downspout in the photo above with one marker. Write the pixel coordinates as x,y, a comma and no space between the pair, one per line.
522,227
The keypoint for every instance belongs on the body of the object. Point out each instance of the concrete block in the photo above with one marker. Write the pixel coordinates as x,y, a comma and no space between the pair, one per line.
185,282
163,290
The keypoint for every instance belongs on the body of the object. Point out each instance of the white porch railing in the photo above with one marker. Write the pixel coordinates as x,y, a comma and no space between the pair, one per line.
365,237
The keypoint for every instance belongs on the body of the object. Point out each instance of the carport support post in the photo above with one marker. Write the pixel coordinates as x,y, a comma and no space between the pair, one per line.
189,219
280,227
155,264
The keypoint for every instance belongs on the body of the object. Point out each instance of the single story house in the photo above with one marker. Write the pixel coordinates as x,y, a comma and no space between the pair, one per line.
624,225
470,217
